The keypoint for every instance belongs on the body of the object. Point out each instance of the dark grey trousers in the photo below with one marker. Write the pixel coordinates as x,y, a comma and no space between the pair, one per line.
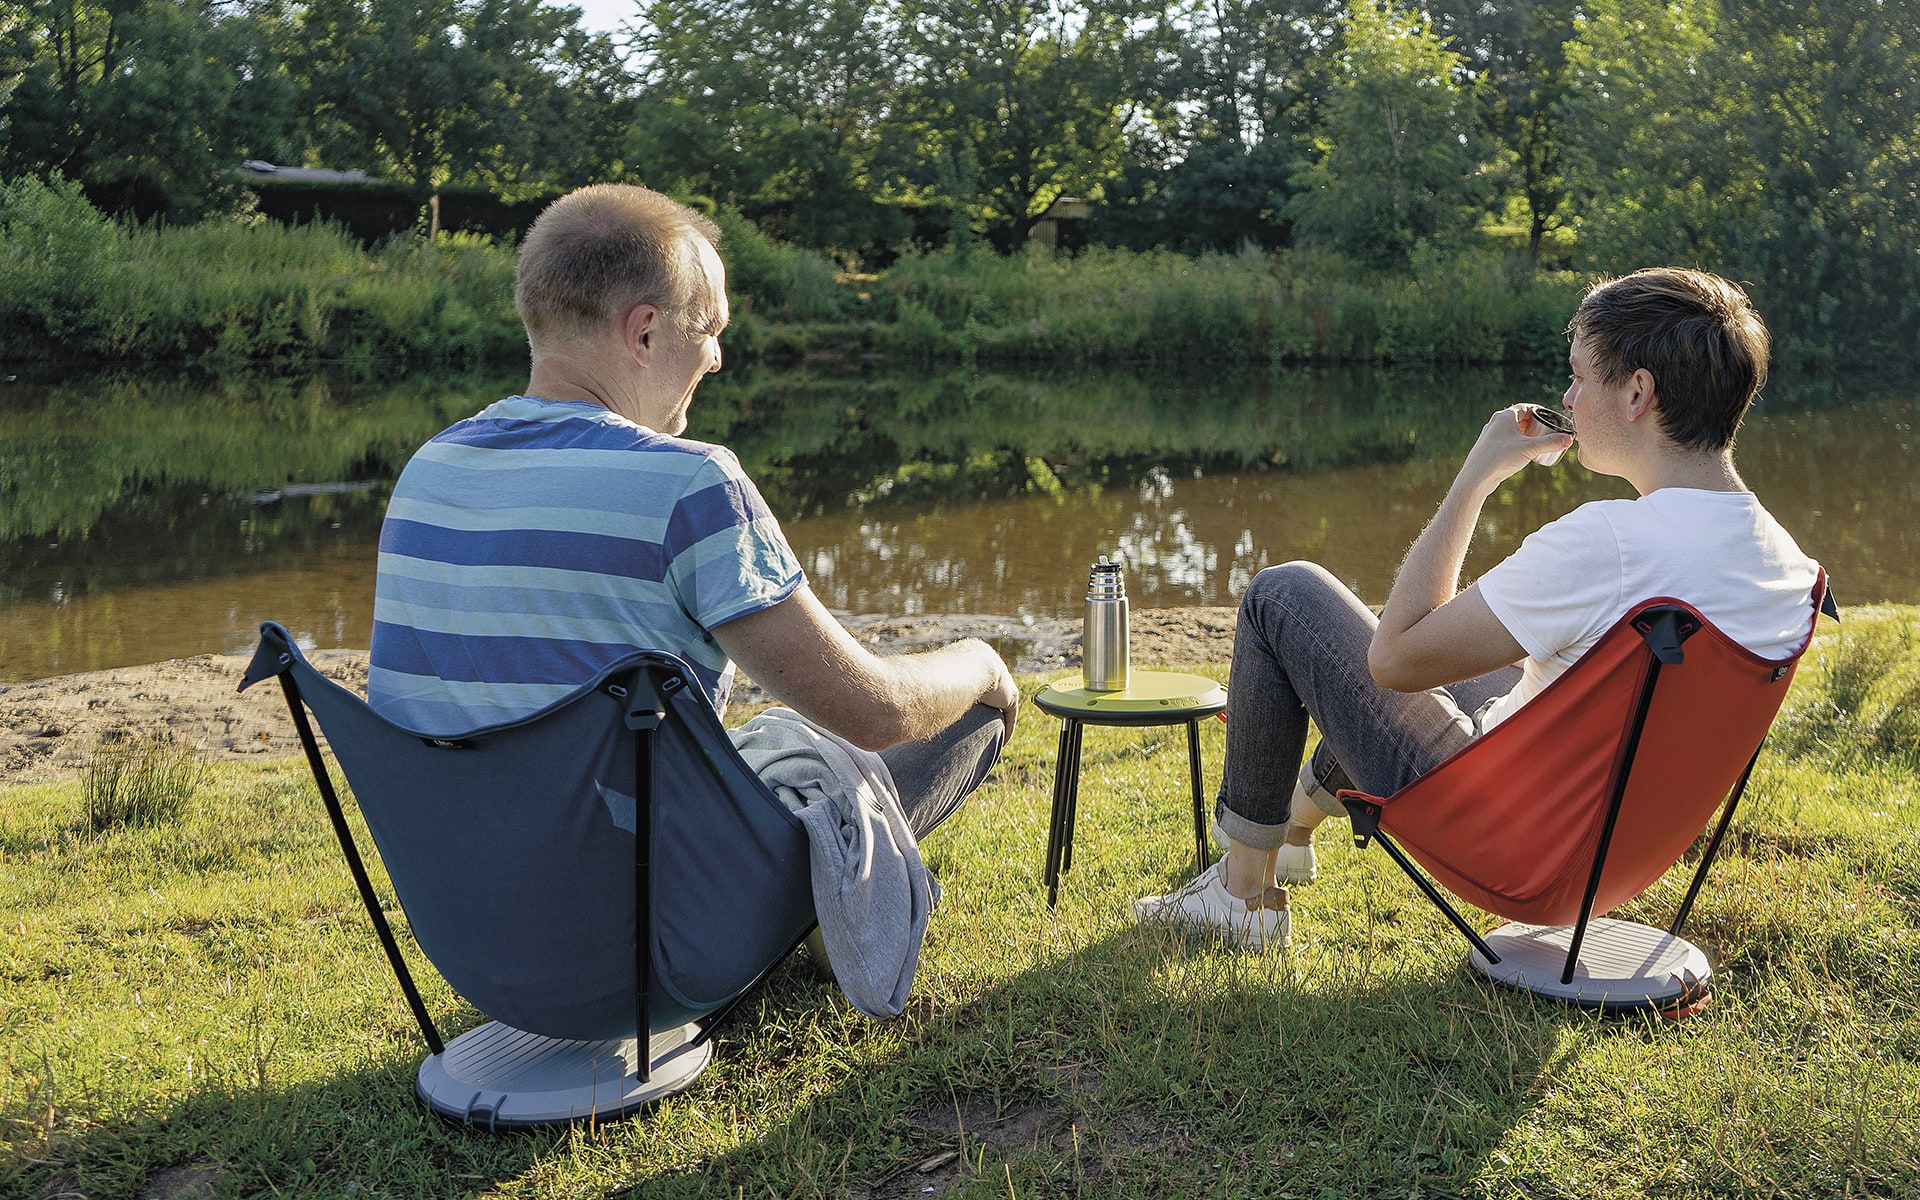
1300,654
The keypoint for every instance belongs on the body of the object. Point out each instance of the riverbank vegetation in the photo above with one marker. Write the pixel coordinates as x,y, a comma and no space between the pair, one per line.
1316,180
201,1002
77,285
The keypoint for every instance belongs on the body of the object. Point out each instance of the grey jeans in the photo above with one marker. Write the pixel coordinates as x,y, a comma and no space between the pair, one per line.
936,775
1300,653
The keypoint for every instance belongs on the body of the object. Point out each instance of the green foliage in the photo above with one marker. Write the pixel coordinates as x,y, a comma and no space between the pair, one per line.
1396,161
59,259
149,103
228,292
1040,92
1519,50
133,780
511,94
771,108
1772,143
1108,305
773,280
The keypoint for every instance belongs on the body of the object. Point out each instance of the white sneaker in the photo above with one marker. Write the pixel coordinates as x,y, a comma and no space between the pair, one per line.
1205,904
1295,864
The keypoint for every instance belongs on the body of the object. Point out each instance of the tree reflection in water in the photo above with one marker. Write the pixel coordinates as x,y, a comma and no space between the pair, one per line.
145,519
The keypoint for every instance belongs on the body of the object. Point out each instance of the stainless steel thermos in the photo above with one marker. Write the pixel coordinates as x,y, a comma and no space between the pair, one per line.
1103,635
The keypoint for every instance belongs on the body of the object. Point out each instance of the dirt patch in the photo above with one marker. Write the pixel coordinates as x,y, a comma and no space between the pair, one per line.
49,727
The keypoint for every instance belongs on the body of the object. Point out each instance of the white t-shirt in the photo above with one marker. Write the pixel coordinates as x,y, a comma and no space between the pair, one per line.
1571,580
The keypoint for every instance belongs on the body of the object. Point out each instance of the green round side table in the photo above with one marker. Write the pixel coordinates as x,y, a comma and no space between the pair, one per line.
1150,698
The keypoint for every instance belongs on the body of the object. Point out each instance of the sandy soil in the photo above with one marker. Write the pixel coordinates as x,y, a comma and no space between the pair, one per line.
48,727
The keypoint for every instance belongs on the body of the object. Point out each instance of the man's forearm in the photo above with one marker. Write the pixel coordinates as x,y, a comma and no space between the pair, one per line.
931,689
803,658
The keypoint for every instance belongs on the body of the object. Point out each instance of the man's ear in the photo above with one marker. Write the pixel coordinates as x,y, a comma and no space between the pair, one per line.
641,326
1640,400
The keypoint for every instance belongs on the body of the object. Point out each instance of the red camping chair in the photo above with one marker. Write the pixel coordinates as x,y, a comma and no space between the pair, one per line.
1583,798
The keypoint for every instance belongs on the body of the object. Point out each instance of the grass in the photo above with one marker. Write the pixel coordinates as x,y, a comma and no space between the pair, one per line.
205,996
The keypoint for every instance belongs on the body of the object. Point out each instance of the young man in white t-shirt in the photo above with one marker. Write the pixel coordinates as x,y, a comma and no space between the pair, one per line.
1665,363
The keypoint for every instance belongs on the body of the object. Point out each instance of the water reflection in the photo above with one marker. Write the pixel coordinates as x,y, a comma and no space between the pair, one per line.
146,520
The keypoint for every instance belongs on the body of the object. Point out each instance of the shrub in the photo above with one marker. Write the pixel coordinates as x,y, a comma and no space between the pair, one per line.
58,260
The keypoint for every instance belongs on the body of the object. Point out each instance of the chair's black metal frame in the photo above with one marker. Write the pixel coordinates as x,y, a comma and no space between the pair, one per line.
1664,628
645,711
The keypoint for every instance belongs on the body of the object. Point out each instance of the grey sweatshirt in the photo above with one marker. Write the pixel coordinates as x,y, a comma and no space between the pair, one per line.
872,893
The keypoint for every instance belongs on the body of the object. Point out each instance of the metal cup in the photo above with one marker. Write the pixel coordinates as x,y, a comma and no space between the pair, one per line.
1553,421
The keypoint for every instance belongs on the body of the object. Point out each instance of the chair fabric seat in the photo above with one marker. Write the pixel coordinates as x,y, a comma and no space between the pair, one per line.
512,849
1512,822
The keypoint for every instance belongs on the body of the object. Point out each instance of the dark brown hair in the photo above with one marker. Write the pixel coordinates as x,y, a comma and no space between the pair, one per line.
1695,333
597,252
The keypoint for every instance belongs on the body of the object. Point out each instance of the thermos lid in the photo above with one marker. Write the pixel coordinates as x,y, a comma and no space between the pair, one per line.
1106,582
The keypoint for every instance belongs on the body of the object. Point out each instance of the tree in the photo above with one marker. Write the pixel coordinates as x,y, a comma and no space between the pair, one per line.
775,108
1043,92
507,94
1396,162
1240,91
1776,143
147,103
1518,48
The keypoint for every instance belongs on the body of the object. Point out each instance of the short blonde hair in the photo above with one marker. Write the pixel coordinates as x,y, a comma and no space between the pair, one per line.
596,252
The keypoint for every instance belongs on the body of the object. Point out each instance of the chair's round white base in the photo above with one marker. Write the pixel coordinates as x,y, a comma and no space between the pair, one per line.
1622,965
505,1078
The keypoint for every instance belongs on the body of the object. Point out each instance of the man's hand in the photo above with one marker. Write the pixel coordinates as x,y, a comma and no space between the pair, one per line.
1004,694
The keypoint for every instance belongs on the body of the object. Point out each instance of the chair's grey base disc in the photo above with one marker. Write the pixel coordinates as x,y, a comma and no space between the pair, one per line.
1622,965
504,1078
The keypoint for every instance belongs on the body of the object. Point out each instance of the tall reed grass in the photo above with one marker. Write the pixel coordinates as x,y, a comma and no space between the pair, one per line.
1163,307
142,779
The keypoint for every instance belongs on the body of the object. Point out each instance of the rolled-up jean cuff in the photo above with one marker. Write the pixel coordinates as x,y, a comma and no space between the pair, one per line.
1248,833
1324,793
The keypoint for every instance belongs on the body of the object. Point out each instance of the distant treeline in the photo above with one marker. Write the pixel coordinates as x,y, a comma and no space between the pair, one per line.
1773,142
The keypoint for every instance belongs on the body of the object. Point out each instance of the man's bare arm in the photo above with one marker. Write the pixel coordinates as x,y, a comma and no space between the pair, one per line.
807,661
1432,634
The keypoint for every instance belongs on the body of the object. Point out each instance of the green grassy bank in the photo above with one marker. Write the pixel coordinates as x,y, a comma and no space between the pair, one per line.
75,286
200,1000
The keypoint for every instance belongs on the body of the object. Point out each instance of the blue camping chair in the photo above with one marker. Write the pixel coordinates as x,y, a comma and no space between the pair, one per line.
531,858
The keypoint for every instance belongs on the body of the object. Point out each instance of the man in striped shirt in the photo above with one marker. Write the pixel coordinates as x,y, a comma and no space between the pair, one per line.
533,543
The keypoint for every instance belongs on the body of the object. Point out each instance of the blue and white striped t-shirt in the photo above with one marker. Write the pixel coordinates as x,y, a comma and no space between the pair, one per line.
533,543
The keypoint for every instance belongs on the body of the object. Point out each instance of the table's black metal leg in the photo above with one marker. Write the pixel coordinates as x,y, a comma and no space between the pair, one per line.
1056,816
1073,796
1199,817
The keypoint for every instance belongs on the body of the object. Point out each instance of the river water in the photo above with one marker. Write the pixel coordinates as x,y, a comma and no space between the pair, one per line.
143,519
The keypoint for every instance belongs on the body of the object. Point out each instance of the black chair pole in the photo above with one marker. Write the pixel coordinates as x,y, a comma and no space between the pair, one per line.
1622,770
339,817
643,903
1713,844
1433,893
